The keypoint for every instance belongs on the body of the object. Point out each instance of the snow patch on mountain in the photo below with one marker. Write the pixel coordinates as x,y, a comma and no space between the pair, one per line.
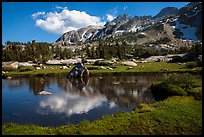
188,31
82,36
142,33
87,39
89,35
135,29
70,41
119,31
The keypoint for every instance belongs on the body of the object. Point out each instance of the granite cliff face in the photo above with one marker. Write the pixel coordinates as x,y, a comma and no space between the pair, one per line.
78,36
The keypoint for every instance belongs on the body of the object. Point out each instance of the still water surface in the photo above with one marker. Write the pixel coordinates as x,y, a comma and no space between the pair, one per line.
72,101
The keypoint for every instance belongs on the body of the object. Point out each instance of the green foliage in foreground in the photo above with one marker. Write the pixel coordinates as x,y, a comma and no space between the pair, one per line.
179,85
176,115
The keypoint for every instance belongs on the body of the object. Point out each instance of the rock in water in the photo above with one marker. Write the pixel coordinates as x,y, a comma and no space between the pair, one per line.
78,71
9,77
44,93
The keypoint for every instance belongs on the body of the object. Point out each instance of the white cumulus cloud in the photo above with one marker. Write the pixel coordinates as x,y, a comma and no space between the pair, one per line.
66,20
61,8
35,15
110,17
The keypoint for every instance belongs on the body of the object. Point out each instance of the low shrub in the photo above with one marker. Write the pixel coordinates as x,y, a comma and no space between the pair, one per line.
176,59
19,69
102,63
196,93
9,69
191,65
141,36
177,85
25,68
186,81
36,65
92,68
175,90
163,90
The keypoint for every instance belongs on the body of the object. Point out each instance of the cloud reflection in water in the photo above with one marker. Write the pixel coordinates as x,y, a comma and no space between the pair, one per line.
71,103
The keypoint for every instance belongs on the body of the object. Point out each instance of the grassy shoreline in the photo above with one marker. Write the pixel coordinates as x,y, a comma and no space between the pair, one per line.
153,67
177,115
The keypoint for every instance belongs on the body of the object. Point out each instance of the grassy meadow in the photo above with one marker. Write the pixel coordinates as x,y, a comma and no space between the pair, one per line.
148,67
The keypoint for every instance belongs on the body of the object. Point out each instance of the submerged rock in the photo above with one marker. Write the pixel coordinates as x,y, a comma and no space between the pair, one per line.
44,93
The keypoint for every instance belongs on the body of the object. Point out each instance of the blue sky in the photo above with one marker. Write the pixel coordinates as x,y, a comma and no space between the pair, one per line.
47,21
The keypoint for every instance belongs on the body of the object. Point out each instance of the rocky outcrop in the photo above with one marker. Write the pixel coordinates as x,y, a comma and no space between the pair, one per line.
26,64
92,61
10,64
171,58
64,62
129,63
17,64
183,58
78,36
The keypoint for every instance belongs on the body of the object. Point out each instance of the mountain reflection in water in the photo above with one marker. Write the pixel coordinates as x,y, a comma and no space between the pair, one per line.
73,100
81,97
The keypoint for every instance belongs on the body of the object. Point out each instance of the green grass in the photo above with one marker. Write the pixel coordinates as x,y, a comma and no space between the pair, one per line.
140,68
147,67
56,70
177,115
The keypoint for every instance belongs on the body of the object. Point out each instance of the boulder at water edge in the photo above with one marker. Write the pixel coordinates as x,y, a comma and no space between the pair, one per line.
78,71
129,63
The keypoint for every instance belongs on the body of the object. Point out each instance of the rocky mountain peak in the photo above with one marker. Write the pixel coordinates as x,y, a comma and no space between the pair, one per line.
123,17
189,7
168,11
186,21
